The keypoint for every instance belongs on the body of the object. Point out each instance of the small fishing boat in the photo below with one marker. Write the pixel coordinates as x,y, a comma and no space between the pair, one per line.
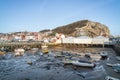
67,61
34,50
1,52
118,58
104,54
19,52
108,64
44,46
83,63
95,57
110,78
88,55
116,67
45,49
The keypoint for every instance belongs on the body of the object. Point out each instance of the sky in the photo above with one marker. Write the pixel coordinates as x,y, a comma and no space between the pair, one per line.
36,15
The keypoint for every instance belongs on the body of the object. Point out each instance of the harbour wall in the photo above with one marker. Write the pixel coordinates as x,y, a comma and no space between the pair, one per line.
13,45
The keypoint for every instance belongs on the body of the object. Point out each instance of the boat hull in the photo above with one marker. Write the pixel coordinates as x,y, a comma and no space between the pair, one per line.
19,52
77,63
1,53
45,49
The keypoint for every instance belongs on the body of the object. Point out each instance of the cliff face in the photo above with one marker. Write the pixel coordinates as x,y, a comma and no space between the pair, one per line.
84,27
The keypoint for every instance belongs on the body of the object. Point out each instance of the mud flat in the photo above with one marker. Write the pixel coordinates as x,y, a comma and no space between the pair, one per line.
48,67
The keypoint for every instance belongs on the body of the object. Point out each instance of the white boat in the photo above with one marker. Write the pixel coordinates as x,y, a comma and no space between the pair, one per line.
118,58
45,49
110,78
94,57
34,50
104,54
116,67
108,64
67,61
83,63
44,46
19,52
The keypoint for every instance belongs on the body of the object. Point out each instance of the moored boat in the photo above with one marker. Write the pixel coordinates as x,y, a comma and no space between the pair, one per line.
116,67
44,46
83,63
110,78
1,52
118,58
19,52
104,54
45,49
67,61
34,50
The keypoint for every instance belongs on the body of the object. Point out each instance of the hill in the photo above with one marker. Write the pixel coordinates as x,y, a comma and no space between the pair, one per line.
83,27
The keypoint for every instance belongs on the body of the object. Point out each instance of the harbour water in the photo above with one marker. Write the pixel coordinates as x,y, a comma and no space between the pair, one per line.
36,66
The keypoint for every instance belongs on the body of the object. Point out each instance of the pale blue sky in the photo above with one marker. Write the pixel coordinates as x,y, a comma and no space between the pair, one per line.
36,15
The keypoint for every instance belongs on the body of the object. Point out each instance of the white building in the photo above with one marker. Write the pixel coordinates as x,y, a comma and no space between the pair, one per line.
100,40
68,40
45,40
17,38
58,38
29,37
83,40
86,40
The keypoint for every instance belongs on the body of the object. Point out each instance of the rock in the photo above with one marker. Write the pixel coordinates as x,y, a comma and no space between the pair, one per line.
30,63
47,67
